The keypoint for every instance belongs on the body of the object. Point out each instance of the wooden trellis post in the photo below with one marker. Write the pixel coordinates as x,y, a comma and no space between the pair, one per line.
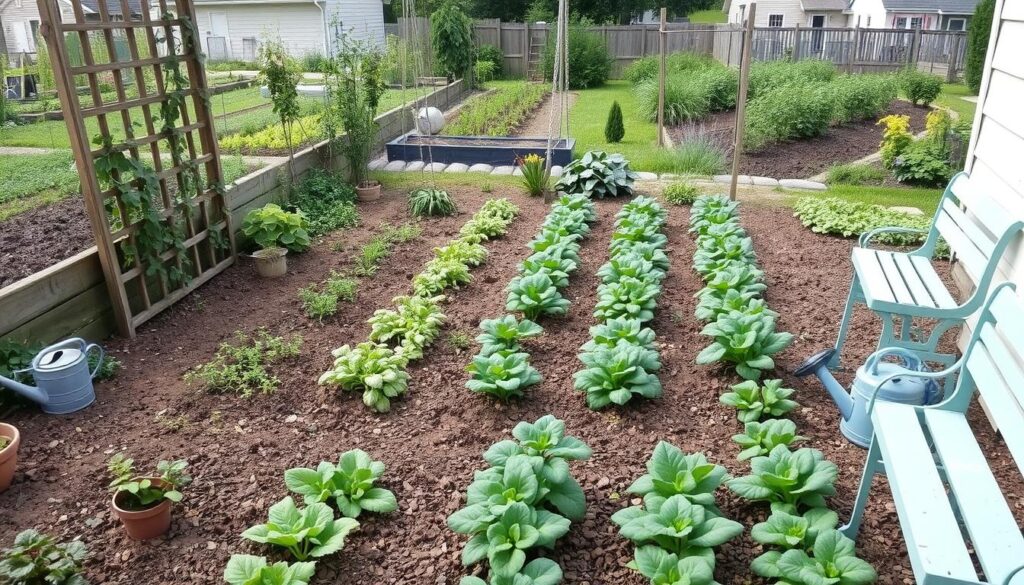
145,148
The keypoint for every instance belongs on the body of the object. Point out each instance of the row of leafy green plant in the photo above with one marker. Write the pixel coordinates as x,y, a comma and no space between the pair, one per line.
620,360
502,368
526,500
739,322
377,367
498,113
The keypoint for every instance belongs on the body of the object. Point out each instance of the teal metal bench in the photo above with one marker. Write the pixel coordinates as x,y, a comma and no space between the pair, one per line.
905,285
946,496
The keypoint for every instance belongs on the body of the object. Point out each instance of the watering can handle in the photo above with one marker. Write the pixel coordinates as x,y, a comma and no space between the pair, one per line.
910,359
99,360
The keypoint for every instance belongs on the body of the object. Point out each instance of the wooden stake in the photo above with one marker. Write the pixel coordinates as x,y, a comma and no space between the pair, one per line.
662,46
741,101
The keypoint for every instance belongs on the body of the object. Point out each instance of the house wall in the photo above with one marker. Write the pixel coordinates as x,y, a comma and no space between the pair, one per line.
930,21
789,9
298,25
16,15
362,20
867,14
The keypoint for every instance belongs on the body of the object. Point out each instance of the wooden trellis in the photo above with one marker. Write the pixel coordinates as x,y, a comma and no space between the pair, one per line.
131,83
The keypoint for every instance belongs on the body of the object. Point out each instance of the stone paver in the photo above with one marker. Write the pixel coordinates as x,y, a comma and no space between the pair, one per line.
481,168
727,179
765,181
906,209
416,165
503,170
556,171
395,165
376,164
802,184
645,176
435,167
669,176
517,172
457,168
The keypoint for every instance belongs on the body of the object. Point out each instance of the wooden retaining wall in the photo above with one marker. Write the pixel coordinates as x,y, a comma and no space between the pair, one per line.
69,299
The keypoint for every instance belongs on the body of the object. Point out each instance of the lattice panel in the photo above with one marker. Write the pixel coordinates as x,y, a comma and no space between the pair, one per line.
132,86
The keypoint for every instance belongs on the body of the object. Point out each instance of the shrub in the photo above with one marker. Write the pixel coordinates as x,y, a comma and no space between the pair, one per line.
589,61
919,87
766,76
613,128
492,54
720,85
37,558
895,138
787,113
241,368
647,67
270,226
431,202
483,71
327,202
314,62
977,43
860,97
923,163
684,99
451,34
597,174
681,193
854,174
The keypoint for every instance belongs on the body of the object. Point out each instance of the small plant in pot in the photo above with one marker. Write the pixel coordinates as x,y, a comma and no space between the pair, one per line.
143,503
276,232
10,439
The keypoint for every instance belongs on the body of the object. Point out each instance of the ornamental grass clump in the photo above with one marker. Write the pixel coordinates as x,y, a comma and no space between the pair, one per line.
431,202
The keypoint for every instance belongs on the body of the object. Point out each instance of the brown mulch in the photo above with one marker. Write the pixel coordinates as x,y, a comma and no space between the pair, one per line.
36,239
803,158
433,438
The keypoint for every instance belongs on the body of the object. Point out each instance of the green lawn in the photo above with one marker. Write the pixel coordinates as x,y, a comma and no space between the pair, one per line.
712,16
590,112
924,199
952,98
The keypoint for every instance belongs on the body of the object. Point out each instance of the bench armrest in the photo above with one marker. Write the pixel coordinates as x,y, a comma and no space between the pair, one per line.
1009,577
905,373
865,239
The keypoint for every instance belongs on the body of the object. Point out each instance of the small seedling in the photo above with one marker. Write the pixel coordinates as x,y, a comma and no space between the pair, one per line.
341,287
318,305
486,188
241,368
459,340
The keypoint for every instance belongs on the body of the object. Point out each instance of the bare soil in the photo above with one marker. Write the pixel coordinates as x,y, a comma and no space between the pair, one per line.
36,239
807,157
433,438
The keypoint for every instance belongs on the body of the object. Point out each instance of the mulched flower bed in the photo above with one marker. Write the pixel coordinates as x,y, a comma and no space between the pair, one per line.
803,158
433,438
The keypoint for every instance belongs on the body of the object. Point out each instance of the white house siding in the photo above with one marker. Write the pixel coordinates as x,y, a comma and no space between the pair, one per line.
299,26
867,14
789,9
16,15
362,20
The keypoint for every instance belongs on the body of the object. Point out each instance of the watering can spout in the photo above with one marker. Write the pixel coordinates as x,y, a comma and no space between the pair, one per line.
31,392
817,364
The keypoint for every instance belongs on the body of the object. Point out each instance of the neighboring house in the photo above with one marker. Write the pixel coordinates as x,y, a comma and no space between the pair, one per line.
20,20
233,29
911,14
789,13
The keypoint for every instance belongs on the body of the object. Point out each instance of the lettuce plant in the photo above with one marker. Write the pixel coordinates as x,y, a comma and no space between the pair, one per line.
753,402
578,201
788,480
648,232
502,335
438,275
505,540
548,262
615,375
609,334
562,246
311,532
665,568
713,254
371,368
645,250
573,221
711,304
462,251
677,526
643,206
415,324
670,472
632,265
501,375
502,209
536,572
788,531
745,278
37,558
629,298
535,295
759,438
253,570
832,560
746,340
349,484
484,227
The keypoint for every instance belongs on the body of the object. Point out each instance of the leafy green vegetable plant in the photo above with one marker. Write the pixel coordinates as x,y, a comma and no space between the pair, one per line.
37,558
371,368
788,531
759,438
502,335
716,253
505,541
253,570
270,226
676,525
431,202
318,305
413,326
439,275
550,263
832,560
670,472
615,375
597,174
629,298
501,375
612,332
788,480
536,572
141,493
462,251
349,484
746,340
311,532
666,568
535,295
753,402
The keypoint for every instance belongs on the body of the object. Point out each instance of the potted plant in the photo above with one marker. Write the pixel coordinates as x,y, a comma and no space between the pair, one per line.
357,84
143,503
10,439
275,231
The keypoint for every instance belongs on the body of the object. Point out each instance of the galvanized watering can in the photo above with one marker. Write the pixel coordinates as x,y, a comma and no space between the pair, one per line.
856,423
63,377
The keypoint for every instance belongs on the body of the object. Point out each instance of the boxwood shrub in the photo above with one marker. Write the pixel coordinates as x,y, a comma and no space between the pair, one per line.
589,61
862,97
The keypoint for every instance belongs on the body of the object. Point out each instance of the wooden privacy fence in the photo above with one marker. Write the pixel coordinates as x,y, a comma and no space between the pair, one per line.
146,152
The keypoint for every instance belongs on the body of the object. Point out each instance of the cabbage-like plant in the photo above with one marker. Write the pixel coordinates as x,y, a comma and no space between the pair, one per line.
439,275
788,480
311,532
747,341
788,531
759,438
646,250
670,472
501,375
502,209
597,174
711,304
753,402
557,244
350,484
643,205
535,295
745,278
505,540
615,375
665,568
371,368
253,570
609,334
713,255
37,558
676,525
502,335
623,236
536,572
484,227
465,252
551,263
415,324
578,201
629,298
832,559
632,265
573,221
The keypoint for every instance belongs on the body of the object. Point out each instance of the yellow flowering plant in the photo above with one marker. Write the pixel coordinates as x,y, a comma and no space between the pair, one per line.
895,139
532,167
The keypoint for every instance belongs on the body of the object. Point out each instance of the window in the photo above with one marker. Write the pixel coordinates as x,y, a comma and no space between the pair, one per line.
869,22
775,20
956,24
915,22
900,22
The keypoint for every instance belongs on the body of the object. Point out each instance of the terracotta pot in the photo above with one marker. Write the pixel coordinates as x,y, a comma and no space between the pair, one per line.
143,524
368,191
271,262
8,455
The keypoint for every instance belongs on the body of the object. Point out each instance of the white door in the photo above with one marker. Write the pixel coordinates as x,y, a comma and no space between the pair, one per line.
217,39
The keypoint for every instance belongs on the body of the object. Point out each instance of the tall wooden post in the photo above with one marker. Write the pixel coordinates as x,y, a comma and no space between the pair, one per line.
741,100
796,42
662,55
526,49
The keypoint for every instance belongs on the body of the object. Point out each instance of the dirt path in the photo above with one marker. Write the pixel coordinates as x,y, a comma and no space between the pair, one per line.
538,122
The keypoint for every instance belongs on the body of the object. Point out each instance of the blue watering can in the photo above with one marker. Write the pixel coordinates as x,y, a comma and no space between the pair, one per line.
63,377
856,423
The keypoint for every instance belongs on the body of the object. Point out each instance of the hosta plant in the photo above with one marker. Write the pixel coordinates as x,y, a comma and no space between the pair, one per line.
831,561
349,484
670,472
311,532
502,335
613,331
36,558
754,402
665,568
676,525
551,263
371,368
628,298
615,375
535,295
789,480
439,275
759,438
746,340
253,570
536,572
597,174
468,253
413,326
501,375
788,531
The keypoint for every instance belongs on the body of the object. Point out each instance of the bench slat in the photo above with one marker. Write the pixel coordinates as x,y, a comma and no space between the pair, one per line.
933,538
958,241
985,243
990,523
1000,385
935,285
913,280
896,281
873,281
990,214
